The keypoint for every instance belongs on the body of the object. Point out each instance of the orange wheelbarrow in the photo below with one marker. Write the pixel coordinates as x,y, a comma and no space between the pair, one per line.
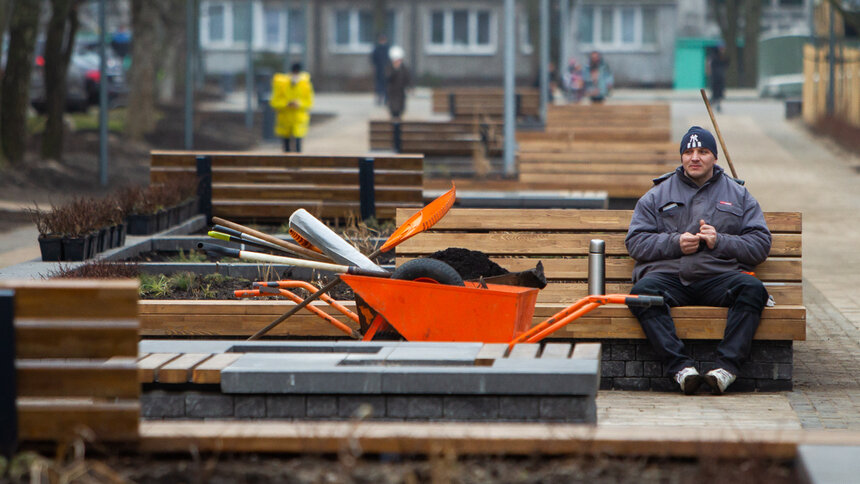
427,311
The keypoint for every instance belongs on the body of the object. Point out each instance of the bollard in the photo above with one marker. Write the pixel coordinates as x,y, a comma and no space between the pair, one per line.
518,102
8,384
268,115
452,104
367,192
596,267
204,187
398,141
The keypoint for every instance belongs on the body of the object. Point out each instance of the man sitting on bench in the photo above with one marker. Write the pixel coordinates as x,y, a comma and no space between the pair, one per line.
695,236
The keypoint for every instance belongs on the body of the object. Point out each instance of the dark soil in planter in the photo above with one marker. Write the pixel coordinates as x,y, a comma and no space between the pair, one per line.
216,286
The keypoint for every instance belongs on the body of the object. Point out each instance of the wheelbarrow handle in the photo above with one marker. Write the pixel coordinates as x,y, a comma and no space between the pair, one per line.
644,301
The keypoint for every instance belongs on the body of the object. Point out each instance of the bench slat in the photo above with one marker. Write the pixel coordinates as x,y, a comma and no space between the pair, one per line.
52,420
147,368
260,192
282,209
58,338
381,178
77,378
179,369
210,370
245,159
77,299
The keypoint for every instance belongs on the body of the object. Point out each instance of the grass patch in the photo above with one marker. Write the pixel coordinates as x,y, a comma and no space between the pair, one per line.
83,121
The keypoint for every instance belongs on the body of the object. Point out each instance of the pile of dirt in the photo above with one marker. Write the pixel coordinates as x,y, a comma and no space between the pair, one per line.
470,264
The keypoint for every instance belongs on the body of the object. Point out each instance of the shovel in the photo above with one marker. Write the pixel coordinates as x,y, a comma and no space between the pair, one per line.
421,221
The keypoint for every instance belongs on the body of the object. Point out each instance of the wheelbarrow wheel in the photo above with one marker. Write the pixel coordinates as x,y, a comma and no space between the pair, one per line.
428,270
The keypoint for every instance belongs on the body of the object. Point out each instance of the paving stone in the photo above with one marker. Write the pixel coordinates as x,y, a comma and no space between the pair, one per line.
640,383
775,351
413,407
438,354
376,358
644,352
568,409
652,369
249,406
298,373
349,405
743,385
206,405
471,408
161,404
321,406
504,378
397,406
758,370
664,385
828,464
606,383
633,368
704,351
519,408
612,368
783,371
623,352
285,406
774,385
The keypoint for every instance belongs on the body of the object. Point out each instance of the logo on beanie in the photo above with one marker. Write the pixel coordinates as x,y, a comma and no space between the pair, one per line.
694,142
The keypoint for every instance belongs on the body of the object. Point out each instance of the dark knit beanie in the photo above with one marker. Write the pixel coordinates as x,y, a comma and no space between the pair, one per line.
698,137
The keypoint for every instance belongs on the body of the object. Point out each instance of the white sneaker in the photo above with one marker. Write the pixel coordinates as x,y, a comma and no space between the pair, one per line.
689,379
719,379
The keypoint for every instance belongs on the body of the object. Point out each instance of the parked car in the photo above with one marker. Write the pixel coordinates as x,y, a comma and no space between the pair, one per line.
82,81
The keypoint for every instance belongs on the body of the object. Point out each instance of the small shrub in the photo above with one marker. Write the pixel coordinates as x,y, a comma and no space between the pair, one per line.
153,285
97,269
182,281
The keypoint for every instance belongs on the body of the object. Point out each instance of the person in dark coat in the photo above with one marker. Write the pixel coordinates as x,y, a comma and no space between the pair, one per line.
717,75
398,81
696,236
381,63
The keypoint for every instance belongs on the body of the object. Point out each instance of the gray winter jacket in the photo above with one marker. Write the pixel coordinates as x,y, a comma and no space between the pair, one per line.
674,205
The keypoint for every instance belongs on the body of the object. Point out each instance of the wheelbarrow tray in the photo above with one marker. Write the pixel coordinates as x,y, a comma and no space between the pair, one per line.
424,311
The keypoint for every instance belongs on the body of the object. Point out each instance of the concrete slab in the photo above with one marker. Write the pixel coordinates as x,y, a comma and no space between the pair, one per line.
829,464
299,373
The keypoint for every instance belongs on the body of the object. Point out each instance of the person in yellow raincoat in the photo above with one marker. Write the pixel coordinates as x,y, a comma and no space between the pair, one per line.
292,98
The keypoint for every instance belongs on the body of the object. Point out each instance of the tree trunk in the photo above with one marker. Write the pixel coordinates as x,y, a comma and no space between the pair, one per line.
171,64
23,28
726,13
752,28
59,44
141,98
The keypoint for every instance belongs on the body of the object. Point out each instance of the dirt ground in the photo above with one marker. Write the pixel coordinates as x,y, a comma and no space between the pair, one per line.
437,469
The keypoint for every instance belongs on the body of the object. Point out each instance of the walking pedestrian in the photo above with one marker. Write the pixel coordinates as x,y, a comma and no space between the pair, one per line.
381,63
398,81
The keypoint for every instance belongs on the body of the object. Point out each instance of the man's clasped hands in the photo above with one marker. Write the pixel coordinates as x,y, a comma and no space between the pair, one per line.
690,242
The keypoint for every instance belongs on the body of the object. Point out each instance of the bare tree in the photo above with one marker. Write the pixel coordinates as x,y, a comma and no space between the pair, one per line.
23,27
726,14
752,29
59,44
171,64
141,103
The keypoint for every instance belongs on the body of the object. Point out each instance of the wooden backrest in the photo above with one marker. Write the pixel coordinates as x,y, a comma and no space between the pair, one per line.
76,345
270,186
518,238
469,101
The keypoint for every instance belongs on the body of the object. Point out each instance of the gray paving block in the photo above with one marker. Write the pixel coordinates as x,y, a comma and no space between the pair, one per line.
359,359
634,383
556,351
506,377
612,368
439,354
606,383
663,385
758,370
828,464
414,407
321,406
633,368
396,406
783,371
568,409
771,386
160,404
623,352
652,369
644,352
285,406
249,406
519,407
745,385
298,373
775,351
205,405
470,408
350,406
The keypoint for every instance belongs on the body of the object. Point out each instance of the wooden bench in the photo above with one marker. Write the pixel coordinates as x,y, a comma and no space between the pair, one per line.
623,170
271,186
611,122
518,239
76,345
466,102
438,138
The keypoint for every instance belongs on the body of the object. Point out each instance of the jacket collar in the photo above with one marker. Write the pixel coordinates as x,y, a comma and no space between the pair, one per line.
718,172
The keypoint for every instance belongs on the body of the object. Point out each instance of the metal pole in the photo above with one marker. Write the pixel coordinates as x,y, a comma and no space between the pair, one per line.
509,88
831,85
563,32
544,58
190,62
8,386
249,69
306,9
289,32
103,97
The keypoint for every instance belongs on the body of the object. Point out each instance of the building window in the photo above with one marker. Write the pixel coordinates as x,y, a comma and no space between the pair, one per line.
461,31
279,23
617,27
224,25
241,17
354,29
215,14
525,34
